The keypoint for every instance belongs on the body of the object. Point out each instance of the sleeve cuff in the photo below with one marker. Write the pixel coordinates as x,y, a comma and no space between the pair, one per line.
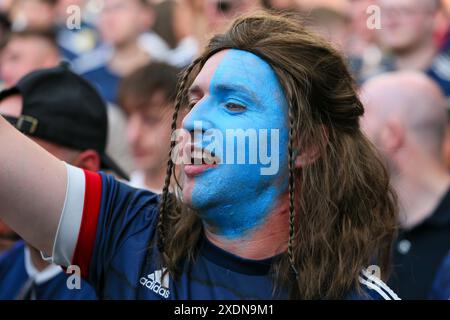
70,221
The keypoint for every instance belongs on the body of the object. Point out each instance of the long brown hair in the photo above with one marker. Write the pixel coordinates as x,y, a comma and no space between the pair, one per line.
342,207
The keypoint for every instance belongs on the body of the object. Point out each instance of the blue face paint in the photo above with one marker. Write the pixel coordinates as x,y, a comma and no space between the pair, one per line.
234,199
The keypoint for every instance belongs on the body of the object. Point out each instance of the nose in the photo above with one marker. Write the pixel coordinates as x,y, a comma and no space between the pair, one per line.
199,119
133,129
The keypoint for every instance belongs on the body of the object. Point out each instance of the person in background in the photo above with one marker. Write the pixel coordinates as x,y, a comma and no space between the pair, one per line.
171,39
446,144
362,37
407,34
5,5
46,106
366,55
330,19
26,51
34,14
219,13
406,117
74,35
280,5
208,17
344,24
5,29
74,41
120,24
147,97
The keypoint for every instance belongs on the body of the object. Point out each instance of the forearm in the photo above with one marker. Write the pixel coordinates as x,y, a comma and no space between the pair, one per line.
32,188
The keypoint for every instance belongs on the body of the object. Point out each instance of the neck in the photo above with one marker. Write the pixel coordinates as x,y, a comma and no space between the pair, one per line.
264,241
154,180
38,263
418,58
127,57
420,191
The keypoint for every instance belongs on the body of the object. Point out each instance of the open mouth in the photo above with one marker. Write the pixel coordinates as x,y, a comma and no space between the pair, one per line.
200,160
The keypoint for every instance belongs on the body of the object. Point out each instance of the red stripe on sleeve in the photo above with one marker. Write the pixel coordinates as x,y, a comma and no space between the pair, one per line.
88,229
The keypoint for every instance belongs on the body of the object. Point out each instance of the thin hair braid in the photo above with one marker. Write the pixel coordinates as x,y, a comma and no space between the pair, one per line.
291,166
179,100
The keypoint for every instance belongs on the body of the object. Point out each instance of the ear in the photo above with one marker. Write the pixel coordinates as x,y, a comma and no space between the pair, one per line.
89,160
308,156
440,19
392,136
446,147
147,19
50,61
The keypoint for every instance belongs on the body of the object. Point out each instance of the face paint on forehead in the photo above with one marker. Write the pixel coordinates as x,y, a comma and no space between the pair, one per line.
248,72
234,199
203,79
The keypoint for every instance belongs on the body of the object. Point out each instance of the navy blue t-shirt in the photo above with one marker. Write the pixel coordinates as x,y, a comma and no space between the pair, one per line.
114,251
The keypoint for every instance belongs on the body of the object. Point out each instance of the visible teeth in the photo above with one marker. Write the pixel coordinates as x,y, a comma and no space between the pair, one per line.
207,159
200,156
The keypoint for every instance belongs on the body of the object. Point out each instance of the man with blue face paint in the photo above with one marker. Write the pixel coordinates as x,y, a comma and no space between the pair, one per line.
222,104
230,229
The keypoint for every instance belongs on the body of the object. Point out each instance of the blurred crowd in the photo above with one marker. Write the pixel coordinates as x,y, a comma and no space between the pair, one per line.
132,51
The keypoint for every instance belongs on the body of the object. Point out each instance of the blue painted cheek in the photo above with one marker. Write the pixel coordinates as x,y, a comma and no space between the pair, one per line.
234,199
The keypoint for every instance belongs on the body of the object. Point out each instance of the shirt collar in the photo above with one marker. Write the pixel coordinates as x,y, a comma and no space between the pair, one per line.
39,276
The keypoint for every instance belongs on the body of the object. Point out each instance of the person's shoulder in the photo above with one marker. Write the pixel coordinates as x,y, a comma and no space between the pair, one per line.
139,207
372,288
123,191
100,195
100,214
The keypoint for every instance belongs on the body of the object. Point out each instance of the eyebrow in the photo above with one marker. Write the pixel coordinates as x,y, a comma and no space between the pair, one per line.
227,87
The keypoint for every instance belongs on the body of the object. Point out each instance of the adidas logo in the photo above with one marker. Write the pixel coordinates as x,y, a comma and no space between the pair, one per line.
155,283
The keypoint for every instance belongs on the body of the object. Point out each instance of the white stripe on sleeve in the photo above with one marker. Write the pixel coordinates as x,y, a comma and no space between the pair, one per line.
70,221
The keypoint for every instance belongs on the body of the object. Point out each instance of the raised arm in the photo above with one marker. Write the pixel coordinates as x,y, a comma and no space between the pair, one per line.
32,188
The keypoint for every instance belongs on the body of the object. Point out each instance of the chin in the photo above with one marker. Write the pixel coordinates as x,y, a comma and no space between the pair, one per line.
203,200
